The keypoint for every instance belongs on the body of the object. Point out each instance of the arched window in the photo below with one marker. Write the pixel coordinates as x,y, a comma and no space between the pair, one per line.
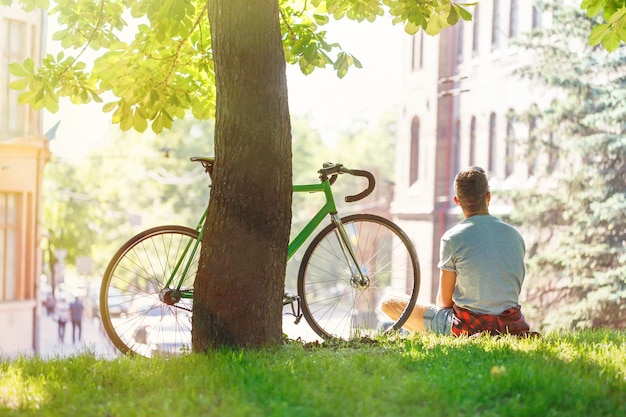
476,31
513,20
495,26
472,142
459,40
414,150
536,18
533,140
510,145
455,158
492,144
417,58
553,149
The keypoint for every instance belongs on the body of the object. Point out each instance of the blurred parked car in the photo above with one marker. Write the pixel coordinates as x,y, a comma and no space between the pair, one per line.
163,329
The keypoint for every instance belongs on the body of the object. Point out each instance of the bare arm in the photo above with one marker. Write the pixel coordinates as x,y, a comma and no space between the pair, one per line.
447,281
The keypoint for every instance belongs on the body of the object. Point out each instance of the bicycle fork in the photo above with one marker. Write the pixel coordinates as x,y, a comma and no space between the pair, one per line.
358,279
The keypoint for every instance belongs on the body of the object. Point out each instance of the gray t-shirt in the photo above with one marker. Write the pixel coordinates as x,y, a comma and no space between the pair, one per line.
488,258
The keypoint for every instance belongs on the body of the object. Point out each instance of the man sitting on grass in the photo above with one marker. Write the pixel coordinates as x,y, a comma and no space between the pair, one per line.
482,270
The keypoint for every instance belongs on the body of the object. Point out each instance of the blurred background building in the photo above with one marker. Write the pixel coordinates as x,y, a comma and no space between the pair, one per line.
23,155
461,108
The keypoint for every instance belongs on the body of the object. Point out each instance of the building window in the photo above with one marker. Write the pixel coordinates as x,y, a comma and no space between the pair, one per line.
476,30
513,20
510,145
536,18
495,25
553,153
472,142
13,117
456,149
532,144
459,40
9,221
414,150
491,166
417,57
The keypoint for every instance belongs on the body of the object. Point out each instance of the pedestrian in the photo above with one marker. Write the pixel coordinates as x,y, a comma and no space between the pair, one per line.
76,313
49,304
62,313
481,271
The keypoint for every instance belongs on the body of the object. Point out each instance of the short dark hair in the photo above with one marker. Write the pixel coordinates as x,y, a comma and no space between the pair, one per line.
471,188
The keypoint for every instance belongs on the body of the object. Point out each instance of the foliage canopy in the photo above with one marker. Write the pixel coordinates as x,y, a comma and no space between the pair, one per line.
155,58
613,31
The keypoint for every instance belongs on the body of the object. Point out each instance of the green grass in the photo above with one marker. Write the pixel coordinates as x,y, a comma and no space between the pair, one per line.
564,374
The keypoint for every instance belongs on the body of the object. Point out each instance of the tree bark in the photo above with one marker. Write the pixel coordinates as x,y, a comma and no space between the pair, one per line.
240,282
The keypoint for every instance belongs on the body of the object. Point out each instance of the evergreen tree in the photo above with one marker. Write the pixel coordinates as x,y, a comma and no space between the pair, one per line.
576,229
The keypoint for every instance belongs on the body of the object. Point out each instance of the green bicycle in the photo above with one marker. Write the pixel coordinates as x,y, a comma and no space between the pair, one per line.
350,265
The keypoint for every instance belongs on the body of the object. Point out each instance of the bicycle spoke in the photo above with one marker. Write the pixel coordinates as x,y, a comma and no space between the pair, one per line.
341,301
146,325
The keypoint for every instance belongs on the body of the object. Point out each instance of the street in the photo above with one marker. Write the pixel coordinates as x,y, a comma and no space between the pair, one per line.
94,339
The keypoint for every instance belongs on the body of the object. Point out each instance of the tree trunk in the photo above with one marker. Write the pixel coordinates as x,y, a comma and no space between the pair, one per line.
239,287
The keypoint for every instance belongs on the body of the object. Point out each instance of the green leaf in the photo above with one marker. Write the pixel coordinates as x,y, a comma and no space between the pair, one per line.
17,70
465,15
310,53
299,46
26,97
594,8
95,97
453,16
140,124
586,3
51,103
126,122
19,84
109,106
411,28
621,31
321,19
436,24
157,124
60,35
611,41
29,65
598,33
39,94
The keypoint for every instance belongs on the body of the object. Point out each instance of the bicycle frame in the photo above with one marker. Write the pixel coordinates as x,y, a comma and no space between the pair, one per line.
329,208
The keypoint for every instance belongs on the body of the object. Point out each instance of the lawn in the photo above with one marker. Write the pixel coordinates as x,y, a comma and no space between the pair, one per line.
562,374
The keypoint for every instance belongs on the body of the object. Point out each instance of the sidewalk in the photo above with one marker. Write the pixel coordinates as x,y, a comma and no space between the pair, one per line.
94,339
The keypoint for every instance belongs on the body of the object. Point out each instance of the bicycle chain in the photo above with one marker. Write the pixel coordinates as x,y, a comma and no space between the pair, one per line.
182,308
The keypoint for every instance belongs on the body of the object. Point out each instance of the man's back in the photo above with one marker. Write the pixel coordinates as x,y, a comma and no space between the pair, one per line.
488,258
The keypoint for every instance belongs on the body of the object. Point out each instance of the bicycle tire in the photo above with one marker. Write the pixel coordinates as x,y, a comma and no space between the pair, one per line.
338,307
133,314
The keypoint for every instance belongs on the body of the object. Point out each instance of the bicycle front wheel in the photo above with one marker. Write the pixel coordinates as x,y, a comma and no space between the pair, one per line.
145,297
338,301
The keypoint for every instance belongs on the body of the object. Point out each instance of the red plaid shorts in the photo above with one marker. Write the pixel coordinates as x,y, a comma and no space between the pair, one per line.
510,321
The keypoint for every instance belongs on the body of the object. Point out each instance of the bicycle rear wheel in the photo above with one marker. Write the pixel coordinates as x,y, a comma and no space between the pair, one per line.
140,313
336,301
